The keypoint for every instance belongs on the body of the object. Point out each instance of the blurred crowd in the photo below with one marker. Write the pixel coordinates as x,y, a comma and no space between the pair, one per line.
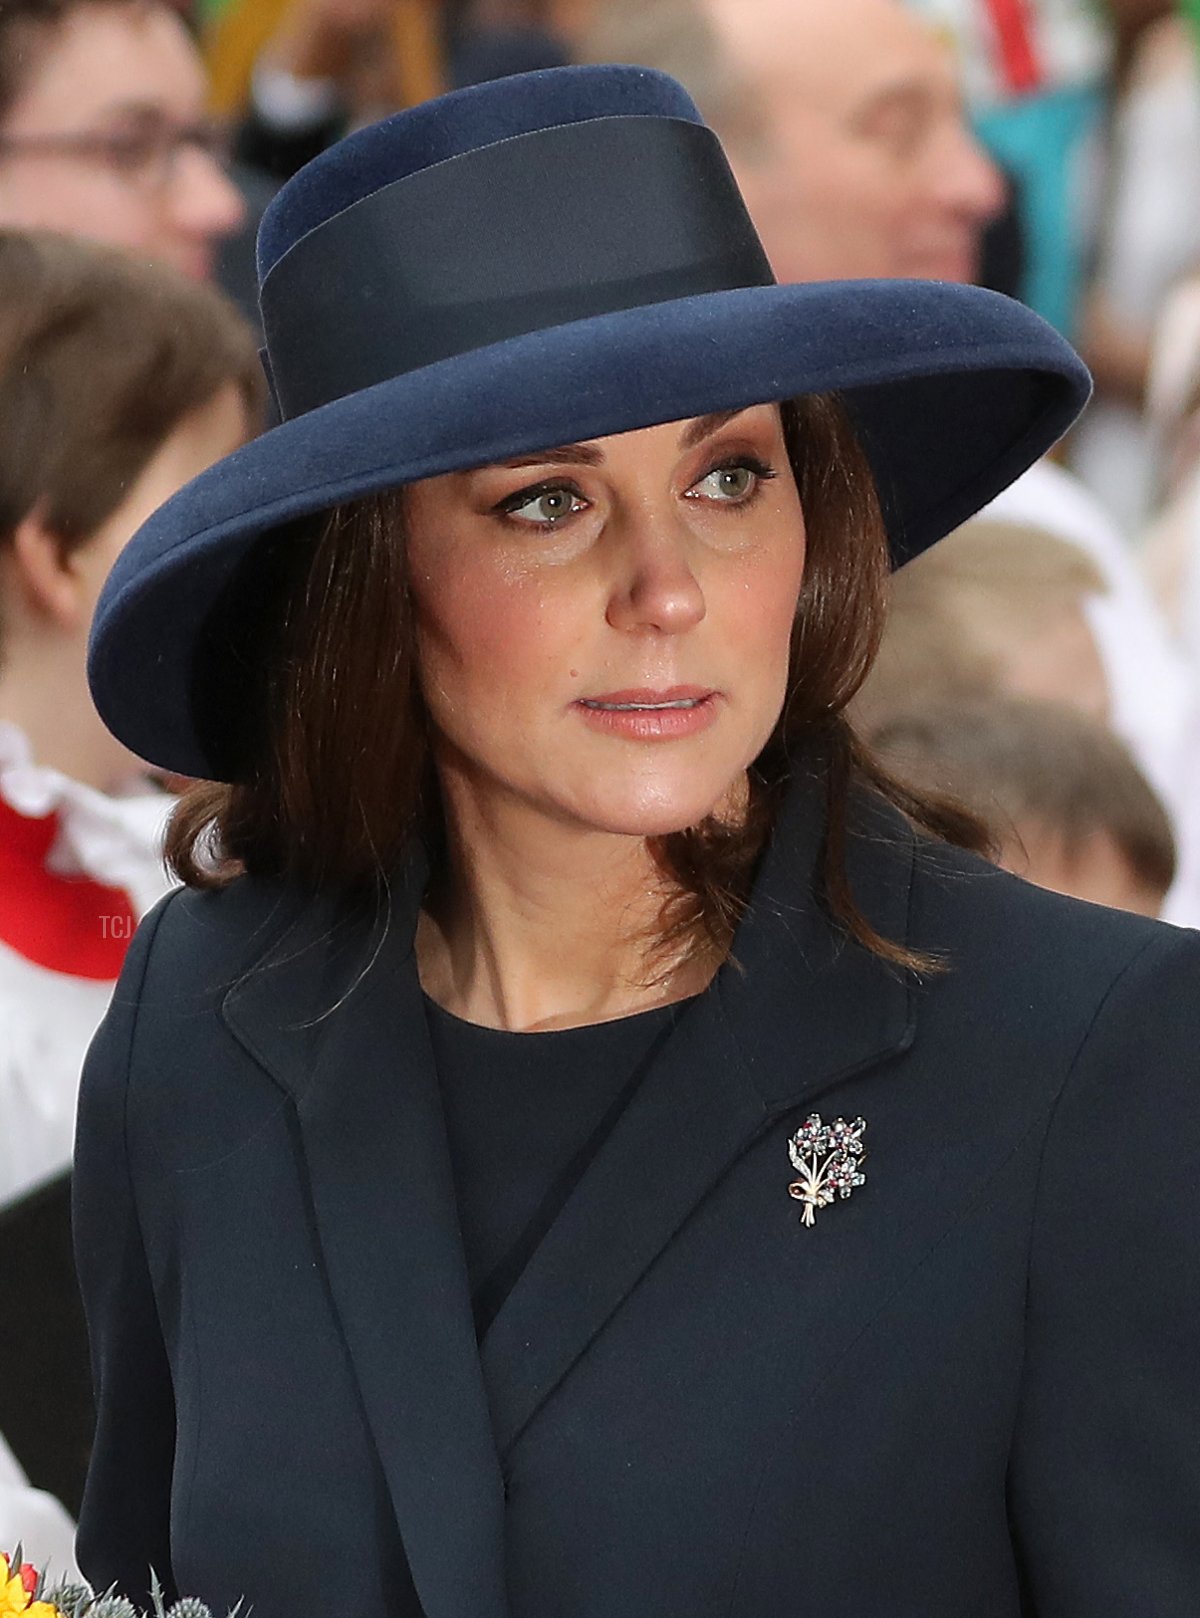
1042,664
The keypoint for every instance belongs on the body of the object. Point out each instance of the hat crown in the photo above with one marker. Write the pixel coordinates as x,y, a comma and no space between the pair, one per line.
450,126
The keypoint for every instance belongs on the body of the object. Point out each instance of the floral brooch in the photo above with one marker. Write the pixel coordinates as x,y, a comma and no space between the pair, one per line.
829,1159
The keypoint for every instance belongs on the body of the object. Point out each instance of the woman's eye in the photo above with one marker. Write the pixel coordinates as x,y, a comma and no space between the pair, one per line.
731,485
543,508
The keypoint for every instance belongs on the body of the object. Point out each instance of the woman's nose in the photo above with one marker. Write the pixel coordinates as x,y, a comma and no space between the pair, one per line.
655,587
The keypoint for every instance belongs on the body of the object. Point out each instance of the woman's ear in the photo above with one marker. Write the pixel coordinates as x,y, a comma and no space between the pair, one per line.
43,571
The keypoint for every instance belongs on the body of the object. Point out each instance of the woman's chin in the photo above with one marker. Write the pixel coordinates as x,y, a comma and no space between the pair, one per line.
662,816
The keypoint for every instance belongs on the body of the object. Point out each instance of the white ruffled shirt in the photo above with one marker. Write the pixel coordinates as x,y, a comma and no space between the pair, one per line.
35,1521
47,1018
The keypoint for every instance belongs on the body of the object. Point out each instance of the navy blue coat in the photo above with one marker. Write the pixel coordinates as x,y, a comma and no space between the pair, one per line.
971,1389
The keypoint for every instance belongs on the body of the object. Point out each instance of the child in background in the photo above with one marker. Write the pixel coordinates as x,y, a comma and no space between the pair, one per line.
118,382
1067,806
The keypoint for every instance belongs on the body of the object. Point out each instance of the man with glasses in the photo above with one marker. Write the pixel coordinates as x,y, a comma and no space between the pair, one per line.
103,130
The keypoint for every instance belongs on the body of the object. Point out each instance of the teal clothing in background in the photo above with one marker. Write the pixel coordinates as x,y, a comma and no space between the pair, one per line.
1046,143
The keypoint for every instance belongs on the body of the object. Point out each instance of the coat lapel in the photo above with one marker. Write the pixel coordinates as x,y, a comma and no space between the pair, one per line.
798,1011
334,1014
801,1010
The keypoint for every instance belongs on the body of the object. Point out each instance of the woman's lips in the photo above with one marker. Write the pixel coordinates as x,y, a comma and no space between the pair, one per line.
648,715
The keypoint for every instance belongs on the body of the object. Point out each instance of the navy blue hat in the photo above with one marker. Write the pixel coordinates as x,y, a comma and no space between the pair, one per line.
531,262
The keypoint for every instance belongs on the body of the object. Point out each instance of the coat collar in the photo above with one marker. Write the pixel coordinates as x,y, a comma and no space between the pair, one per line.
795,1012
334,1014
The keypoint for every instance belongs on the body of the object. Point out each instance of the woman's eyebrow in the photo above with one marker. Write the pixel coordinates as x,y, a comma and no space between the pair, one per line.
591,455
573,454
704,426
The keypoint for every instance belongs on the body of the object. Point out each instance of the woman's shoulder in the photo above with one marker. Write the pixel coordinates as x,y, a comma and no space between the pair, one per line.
258,942
1026,947
165,1056
191,951
964,889
982,922
223,929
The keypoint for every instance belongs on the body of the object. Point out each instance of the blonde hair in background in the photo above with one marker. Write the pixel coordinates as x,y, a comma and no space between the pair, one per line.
960,612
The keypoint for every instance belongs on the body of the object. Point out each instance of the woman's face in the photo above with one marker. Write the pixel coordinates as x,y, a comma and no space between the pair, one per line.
603,629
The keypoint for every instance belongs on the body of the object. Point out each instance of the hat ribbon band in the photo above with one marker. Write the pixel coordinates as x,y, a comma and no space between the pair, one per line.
532,232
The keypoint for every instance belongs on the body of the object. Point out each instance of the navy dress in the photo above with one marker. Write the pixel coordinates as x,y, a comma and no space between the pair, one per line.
525,1114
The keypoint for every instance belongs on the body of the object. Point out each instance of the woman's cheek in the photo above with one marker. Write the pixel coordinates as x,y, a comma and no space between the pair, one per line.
501,633
762,613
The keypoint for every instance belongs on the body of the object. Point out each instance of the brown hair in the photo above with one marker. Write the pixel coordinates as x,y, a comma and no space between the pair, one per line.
331,781
1014,761
101,358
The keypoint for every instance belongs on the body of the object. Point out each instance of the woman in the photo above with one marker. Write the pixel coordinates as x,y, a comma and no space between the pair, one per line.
455,1236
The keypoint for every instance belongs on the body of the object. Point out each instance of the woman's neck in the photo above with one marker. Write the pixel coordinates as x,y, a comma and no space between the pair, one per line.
543,926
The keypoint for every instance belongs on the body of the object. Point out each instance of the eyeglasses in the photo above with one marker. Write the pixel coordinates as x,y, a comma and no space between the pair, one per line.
147,156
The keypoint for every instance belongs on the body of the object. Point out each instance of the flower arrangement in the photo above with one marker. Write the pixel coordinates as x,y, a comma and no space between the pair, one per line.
24,1593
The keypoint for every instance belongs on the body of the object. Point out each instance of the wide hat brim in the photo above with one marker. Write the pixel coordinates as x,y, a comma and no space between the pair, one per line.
954,392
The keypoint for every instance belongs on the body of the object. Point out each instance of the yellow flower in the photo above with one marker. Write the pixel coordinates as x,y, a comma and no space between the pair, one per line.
15,1601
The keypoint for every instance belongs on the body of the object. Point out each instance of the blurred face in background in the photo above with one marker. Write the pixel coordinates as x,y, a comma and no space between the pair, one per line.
106,138
49,592
1095,869
851,147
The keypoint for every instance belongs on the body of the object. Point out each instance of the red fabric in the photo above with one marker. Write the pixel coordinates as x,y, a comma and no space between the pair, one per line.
1014,36
67,924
